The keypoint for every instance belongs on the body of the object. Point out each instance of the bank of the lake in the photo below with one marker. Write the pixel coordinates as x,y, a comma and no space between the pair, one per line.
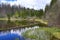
10,24
43,33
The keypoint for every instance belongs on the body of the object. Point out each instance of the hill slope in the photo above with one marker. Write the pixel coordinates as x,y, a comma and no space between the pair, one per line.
53,14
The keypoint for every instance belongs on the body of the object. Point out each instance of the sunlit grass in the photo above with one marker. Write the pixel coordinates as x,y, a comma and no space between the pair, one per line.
40,20
54,30
57,34
3,18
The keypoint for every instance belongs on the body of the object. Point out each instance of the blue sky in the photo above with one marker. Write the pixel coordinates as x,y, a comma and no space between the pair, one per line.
36,4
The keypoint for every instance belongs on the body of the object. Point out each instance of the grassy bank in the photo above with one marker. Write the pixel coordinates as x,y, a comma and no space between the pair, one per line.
53,30
20,23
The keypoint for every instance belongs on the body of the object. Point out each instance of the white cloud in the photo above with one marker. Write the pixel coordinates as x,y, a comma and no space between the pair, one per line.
36,4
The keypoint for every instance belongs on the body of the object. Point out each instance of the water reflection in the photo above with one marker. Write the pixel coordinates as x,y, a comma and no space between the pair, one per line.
12,24
14,34
20,31
10,36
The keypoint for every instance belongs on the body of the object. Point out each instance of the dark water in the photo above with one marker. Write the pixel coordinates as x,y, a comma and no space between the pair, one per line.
9,24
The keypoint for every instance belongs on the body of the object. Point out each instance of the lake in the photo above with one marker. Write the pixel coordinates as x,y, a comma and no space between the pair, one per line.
13,34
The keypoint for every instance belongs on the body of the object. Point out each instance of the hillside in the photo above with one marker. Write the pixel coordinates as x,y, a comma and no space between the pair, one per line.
52,15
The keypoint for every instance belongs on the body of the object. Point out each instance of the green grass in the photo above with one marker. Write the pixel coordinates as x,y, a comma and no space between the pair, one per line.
3,18
53,30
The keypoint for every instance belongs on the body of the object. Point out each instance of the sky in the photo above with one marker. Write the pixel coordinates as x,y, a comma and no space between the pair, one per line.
35,4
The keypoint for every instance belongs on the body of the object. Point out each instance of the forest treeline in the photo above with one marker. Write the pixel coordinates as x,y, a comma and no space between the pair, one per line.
17,11
21,12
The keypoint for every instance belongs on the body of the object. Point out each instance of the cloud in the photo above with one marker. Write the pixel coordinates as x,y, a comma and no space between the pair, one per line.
36,4
40,4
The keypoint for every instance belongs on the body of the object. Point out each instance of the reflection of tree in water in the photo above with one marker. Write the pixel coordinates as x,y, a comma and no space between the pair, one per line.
3,23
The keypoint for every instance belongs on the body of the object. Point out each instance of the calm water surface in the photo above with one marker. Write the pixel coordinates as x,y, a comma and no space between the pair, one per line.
14,34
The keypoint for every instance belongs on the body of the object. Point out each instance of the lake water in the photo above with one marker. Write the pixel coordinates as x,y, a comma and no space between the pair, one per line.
14,34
